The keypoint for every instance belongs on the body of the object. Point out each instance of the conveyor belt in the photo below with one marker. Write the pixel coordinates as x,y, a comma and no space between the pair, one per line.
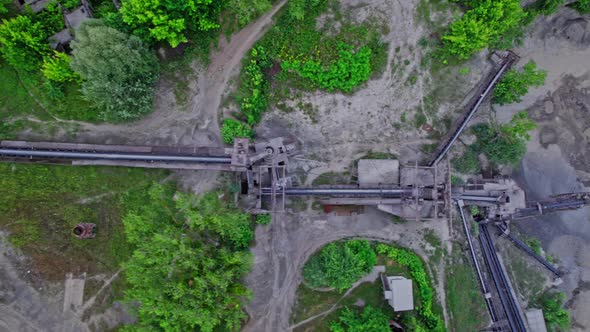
52,154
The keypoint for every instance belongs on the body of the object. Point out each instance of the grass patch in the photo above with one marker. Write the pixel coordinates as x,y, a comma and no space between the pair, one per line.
464,299
40,205
332,178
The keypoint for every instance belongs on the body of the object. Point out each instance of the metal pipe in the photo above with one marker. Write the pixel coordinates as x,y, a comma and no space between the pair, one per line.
475,198
341,191
111,156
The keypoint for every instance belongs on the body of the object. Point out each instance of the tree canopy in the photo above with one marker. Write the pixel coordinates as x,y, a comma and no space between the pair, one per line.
340,264
23,43
505,144
185,272
516,84
118,70
483,24
170,21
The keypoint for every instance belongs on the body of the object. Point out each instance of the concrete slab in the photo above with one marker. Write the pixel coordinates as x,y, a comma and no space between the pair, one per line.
376,172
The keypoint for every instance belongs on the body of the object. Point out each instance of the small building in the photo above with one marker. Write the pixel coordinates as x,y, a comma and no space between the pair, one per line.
398,292
536,321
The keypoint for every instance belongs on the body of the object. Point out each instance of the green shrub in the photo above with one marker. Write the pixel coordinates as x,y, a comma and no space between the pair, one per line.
556,318
255,102
232,129
545,7
370,319
483,24
23,43
467,163
516,84
432,321
244,11
506,144
350,70
263,219
339,265
57,68
582,6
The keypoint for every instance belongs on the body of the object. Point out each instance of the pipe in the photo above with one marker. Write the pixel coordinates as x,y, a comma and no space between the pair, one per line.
341,191
111,156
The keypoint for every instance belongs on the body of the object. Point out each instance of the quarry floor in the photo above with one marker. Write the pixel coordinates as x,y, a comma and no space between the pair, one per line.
346,127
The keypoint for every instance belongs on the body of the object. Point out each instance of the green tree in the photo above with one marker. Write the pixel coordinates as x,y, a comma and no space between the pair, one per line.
185,272
232,129
23,43
339,265
482,25
57,68
370,319
170,21
516,84
556,318
505,144
119,72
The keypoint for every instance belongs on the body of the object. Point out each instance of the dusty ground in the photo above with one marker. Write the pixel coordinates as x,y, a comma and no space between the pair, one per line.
347,126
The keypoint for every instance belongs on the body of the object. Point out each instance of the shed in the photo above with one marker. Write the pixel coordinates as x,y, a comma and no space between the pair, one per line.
398,292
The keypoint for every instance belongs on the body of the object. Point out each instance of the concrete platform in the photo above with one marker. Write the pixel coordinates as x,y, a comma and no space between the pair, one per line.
376,172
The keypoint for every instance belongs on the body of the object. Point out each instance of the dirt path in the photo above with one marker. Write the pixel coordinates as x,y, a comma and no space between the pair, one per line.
283,247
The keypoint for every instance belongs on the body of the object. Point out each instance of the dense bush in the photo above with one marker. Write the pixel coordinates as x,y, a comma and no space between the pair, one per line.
516,84
185,272
119,72
232,129
505,144
23,43
484,23
339,265
243,11
582,6
545,7
350,70
254,102
57,68
406,258
467,163
263,219
556,318
370,319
